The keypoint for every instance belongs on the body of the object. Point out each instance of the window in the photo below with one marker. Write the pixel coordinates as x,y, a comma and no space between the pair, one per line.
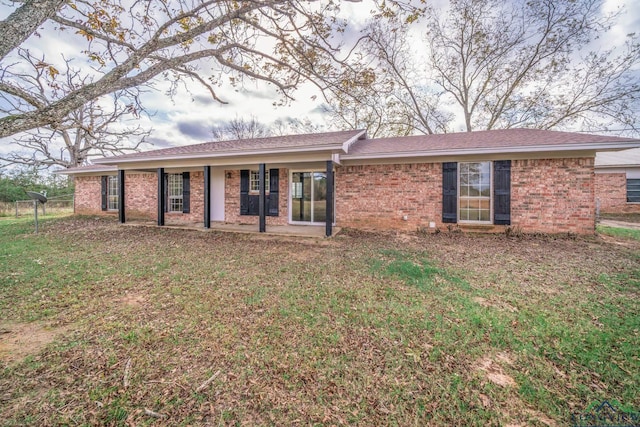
112,193
633,190
174,187
474,202
254,181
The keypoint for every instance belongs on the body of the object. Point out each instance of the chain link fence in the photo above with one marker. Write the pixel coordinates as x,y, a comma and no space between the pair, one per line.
54,206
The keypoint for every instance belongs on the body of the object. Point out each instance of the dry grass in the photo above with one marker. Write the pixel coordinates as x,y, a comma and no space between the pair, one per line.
191,328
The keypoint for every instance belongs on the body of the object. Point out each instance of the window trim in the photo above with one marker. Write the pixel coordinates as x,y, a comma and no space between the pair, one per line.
178,188
490,198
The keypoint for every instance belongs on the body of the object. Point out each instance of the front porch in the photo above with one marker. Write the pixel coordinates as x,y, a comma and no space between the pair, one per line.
288,230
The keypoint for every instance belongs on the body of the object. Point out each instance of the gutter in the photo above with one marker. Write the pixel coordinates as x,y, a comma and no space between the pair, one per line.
203,155
493,150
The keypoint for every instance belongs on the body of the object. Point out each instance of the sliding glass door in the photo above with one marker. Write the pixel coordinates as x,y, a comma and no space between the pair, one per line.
308,197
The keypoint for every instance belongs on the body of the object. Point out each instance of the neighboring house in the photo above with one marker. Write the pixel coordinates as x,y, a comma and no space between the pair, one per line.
618,181
535,180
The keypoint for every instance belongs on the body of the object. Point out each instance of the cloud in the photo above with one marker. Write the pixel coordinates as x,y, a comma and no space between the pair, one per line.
160,143
194,130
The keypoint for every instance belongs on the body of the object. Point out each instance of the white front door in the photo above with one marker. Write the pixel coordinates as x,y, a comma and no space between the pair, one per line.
217,194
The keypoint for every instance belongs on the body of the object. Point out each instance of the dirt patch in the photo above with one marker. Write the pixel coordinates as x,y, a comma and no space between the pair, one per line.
495,304
19,340
492,369
133,300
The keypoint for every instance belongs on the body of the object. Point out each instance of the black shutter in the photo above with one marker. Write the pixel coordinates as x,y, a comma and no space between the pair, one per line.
186,192
450,192
166,192
274,191
502,192
244,192
104,184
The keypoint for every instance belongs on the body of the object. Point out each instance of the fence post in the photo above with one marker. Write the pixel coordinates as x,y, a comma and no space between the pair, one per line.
16,209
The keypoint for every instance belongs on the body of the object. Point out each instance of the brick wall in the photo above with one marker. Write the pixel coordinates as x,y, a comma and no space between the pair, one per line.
553,195
232,200
196,203
141,196
546,196
379,196
88,195
611,189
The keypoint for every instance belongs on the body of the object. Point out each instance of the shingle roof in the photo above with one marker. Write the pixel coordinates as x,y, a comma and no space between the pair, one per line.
292,142
505,138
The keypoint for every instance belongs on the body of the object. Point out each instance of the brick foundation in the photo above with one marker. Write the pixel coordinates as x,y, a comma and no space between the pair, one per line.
611,190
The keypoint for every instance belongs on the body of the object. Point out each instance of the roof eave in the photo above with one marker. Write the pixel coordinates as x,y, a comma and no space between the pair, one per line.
329,148
85,170
494,150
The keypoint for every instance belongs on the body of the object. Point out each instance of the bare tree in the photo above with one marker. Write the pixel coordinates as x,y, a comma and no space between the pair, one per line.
129,44
527,64
385,90
97,128
296,126
240,128
494,64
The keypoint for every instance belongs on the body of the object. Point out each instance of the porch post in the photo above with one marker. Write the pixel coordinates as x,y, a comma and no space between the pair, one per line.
262,199
329,220
207,196
161,192
121,197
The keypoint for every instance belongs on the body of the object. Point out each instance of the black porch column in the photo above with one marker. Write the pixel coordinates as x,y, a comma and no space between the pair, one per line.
262,202
161,193
207,196
121,197
329,221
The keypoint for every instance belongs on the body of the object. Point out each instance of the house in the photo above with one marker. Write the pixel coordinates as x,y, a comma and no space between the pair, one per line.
618,181
536,180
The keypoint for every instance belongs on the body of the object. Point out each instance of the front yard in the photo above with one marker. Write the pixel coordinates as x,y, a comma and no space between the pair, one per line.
109,324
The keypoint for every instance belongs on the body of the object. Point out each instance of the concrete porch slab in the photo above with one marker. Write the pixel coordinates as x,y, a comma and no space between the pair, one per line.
317,231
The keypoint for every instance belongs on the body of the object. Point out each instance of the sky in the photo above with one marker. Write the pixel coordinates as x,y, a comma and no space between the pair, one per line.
189,115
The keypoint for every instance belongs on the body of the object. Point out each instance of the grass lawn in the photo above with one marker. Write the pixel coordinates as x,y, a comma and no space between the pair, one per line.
118,325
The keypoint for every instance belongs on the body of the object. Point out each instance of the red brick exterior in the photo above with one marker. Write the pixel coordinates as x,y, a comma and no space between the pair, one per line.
553,195
379,196
196,203
232,200
141,196
88,195
611,190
